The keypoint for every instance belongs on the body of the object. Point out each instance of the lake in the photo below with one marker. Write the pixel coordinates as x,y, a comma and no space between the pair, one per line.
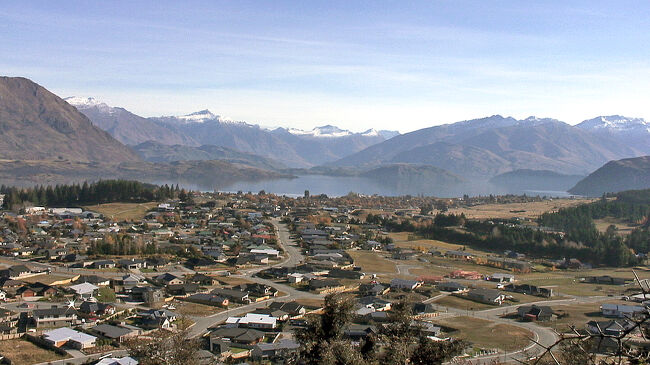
342,185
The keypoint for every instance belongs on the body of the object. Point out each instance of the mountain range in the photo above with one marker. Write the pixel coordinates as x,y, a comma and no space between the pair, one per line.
37,128
291,147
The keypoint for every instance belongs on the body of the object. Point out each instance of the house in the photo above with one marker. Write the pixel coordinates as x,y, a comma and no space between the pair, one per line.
93,279
126,360
201,279
96,308
55,316
346,274
146,294
326,285
103,264
423,310
358,332
132,264
209,299
116,333
605,279
37,289
501,278
17,272
452,287
622,311
468,275
404,284
616,327
84,290
293,308
530,290
373,289
68,337
236,296
130,281
488,296
167,279
182,289
536,313
233,335
252,320
280,349
8,321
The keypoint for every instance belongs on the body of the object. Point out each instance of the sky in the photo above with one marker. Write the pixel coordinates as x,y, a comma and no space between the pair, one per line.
397,65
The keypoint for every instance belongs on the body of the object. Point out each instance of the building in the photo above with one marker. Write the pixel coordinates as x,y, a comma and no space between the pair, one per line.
55,316
84,291
488,296
502,278
253,320
404,284
68,337
536,313
622,311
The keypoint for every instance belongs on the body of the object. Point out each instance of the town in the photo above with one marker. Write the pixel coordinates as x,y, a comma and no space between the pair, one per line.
242,273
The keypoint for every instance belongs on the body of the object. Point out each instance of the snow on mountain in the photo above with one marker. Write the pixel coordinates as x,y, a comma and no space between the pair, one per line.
327,131
615,124
198,117
86,102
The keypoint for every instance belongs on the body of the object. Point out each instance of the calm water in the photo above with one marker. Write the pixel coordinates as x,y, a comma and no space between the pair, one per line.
339,186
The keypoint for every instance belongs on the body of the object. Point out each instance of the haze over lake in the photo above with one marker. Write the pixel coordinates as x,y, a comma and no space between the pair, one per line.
342,185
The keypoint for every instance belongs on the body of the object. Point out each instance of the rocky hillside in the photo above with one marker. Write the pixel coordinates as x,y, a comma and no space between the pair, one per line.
35,124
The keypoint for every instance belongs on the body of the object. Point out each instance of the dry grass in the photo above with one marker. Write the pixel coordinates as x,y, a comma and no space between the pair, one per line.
22,352
123,211
310,303
624,228
486,334
195,309
462,303
574,315
372,262
46,279
513,210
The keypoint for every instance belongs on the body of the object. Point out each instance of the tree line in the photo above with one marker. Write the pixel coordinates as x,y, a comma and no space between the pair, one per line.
580,240
103,191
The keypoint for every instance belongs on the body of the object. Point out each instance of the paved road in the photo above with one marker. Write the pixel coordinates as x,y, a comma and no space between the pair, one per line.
294,257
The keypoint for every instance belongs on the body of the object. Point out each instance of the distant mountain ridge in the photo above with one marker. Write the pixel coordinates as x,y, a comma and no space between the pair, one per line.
634,132
615,176
493,145
291,147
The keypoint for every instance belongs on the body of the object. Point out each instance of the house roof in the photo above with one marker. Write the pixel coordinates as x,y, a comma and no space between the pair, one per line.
84,288
67,334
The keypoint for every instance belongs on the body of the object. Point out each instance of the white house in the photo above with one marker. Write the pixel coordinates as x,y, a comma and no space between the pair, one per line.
84,290
254,320
126,360
67,336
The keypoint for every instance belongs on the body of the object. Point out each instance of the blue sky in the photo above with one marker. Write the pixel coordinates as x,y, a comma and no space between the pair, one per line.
357,64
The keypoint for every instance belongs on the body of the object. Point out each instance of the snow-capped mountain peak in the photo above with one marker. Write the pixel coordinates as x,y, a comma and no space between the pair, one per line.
83,101
198,117
86,102
326,131
615,123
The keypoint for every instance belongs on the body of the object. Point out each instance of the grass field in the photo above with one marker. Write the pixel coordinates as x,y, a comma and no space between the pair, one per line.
22,352
486,334
372,262
195,309
123,211
46,278
525,210
624,228
574,315
461,303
